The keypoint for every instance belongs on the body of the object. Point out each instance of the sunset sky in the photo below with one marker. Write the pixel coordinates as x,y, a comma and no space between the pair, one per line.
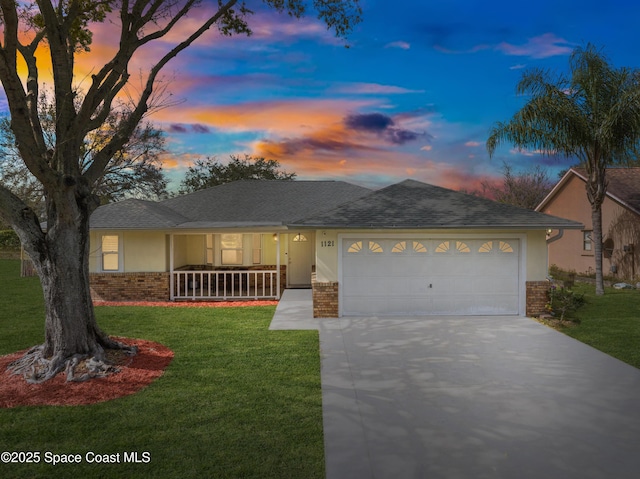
414,95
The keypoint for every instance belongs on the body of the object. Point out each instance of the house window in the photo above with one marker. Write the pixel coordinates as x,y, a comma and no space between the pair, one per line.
375,247
447,246
419,247
486,247
355,247
300,238
367,247
231,246
413,246
462,247
110,253
587,242
443,247
256,251
505,247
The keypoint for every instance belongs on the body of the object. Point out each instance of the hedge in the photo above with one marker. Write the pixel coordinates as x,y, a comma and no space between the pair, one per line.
9,240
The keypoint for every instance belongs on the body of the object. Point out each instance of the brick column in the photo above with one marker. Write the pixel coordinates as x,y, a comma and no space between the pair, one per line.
325,298
537,297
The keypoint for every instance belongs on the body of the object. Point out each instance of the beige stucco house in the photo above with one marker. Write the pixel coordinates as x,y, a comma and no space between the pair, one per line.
574,250
410,248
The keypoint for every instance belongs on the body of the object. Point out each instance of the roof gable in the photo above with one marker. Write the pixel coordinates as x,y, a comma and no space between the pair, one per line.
623,186
412,204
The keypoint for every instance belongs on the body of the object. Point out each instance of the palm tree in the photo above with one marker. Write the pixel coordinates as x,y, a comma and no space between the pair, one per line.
592,115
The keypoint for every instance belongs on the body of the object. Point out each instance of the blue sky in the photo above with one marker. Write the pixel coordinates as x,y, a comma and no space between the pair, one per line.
414,95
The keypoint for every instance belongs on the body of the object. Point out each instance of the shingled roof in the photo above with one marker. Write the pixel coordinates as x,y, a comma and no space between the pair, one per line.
623,186
247,203
412,204
321,204
136,214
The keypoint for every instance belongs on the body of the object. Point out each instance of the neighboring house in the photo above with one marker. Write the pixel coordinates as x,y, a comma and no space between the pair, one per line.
574,250
410,248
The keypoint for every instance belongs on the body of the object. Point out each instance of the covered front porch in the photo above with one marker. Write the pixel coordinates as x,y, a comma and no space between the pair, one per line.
239,265
195,282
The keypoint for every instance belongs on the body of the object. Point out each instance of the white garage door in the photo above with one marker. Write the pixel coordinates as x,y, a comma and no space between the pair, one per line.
382,276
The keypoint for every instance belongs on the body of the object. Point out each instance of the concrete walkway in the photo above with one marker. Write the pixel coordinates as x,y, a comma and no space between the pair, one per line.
295,311
469,397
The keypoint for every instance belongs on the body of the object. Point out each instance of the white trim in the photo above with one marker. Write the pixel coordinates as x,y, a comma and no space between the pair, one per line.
278,263
171,267
522,251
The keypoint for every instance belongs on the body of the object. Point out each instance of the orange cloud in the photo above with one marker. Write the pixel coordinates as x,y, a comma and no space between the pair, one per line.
354,134
171,161
280,118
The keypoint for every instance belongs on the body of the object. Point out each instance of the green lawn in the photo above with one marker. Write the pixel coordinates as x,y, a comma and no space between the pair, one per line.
610,323
238,401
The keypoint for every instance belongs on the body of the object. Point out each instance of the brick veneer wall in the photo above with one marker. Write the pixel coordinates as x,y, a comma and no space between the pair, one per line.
129,286
149,286
537,297
325,298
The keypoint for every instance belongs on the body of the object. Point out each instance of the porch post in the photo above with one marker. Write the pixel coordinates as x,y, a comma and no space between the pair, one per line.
278,265
171,279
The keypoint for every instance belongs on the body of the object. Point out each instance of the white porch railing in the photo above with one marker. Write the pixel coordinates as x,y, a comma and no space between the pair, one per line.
225,285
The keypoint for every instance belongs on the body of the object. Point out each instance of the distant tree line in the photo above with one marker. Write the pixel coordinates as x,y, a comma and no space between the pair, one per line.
525,189
208,172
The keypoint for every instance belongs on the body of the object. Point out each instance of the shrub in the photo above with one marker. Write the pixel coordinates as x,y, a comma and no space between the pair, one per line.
9,240
563,302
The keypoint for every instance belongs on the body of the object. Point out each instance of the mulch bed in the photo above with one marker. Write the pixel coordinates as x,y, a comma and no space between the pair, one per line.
189,304
135,373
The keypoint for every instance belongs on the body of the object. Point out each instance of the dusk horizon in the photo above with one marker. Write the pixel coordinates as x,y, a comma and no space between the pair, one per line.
411,93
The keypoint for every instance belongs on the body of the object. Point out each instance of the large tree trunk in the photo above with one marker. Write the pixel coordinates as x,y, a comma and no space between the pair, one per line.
596,219
71,331
596,190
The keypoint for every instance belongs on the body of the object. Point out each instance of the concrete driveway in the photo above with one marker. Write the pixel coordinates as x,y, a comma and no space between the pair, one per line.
472,397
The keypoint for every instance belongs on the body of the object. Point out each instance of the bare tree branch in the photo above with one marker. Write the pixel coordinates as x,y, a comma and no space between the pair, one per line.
102,159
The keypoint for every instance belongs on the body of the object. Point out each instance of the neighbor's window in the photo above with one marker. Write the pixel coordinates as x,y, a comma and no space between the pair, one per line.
110,253
231,248
257,249
586,240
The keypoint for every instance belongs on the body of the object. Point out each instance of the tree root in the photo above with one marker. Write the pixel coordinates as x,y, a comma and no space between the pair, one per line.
36,369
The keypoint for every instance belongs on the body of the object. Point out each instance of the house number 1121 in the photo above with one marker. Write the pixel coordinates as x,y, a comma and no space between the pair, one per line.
327,244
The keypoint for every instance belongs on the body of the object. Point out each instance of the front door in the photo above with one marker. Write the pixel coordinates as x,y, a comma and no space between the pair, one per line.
300,260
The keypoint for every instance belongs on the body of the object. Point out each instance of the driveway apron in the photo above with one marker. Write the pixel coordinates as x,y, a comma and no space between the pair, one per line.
473,397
